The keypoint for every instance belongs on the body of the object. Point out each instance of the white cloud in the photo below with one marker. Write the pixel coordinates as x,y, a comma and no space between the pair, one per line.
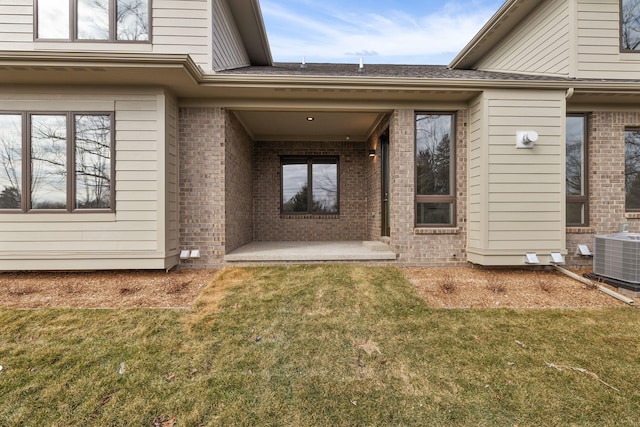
328,34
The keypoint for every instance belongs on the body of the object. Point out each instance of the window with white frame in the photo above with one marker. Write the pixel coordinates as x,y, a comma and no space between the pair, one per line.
59,162
93,20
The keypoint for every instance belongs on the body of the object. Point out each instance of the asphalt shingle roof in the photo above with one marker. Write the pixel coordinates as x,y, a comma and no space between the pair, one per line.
381,70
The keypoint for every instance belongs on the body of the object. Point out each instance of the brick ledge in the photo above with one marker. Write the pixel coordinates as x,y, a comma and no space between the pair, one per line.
443,230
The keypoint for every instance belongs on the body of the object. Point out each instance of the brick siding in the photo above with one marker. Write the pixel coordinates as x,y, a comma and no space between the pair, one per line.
213,144
202,184
350,224
424,246
239,185
606,181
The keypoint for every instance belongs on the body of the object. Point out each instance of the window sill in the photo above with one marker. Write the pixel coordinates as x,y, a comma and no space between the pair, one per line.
309,216
58,217
632,215
435,230
580,230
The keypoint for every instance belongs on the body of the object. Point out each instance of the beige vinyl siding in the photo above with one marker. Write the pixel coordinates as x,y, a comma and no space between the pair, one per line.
538,45
16,24
517,196
133,236
171,178
179,26
477,173
228,49
182,26
598,50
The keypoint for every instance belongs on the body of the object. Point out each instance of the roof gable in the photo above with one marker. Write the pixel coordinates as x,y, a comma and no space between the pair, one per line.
250,24
510,14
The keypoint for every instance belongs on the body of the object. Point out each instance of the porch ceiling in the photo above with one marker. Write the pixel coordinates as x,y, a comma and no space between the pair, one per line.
297,126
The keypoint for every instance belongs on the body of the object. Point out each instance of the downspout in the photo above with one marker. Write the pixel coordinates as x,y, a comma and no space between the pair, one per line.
588,282
569,93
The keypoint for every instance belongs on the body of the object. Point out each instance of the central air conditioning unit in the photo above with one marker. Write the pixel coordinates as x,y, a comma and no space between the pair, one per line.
617,256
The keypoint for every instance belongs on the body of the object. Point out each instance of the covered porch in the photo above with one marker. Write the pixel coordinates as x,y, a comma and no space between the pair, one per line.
314,251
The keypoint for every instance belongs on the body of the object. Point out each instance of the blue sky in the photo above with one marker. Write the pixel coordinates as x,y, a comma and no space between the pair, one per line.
379,31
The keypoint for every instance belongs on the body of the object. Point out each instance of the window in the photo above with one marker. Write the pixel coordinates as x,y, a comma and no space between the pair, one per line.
11,159
435,168
576,175
632,169
309,185
93,20
56,162
630,25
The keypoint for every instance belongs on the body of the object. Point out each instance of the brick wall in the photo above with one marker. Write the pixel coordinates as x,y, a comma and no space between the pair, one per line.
424,246
606,182
252,200
202,184
350,224
373,170
239,185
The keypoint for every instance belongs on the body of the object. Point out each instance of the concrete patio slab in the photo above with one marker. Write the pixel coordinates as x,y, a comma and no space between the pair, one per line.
312,251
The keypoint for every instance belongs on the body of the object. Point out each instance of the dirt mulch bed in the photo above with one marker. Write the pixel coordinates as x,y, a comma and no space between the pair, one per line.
461,287
103,289
468,287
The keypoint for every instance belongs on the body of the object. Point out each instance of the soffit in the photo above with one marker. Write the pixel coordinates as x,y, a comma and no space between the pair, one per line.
296,126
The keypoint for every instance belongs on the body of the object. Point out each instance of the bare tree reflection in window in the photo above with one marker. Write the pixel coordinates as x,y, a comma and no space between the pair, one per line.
325,188
630,22
434,166
93,161
10,161
48,162
433,157
295,188
575,170
93,19
632,169
132,20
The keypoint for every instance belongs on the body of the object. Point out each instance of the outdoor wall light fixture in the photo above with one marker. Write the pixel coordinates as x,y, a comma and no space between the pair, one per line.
372,153
310,118
526,138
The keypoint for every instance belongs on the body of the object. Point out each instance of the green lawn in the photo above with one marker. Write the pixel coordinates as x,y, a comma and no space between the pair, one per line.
319,346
